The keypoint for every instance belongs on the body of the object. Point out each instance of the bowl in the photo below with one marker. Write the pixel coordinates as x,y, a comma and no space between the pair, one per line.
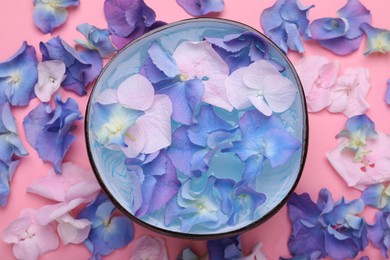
198,129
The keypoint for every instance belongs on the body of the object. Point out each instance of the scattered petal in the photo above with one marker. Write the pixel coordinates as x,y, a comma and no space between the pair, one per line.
146,247
379,232
201,7
378,40
50,75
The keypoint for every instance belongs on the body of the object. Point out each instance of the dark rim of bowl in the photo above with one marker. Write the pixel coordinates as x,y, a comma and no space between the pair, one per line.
213,235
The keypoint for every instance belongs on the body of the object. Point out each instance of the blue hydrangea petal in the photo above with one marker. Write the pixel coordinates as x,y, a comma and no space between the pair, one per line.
342,46
225,248
378,40
329,28
271,18
361,123
201,7
18,76
378,233
225,188
372,196
97,39
207,122
387,95
194,93
253,168
356,14
7,120
119,233
47,17
294,12
302,207
340,249
306,240
163,60
280,145
294,41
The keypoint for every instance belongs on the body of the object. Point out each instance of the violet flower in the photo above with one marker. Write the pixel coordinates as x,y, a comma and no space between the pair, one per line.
201,7
81,67
96,39
342,35
109,232
49,130
10,149
378,40
18,76
285,22
333,229
50,14
129,19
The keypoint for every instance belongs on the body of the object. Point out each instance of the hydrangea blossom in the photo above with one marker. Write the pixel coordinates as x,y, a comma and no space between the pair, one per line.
201,7
377,196
285,22
49,130
317,75
378,40
81,67
29,238
96,39
379,232
50,14
261,85
50,75
349,93
176,76
18,76
362,157
330,228
109,232
10,147
147,247
342,35
129,19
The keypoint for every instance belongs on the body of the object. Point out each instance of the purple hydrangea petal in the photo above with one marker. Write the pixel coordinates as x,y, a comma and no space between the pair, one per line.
225,248
356,14
81,67
96,39
294,12
47,18
18,76
201,7
378,40
387,95
329,28
379,232
342,46
163,60
49,131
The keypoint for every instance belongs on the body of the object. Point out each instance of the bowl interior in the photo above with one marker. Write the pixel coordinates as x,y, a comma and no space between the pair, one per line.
275,183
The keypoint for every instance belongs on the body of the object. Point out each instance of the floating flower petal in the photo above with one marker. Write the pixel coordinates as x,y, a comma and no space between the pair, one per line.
49,130
81,67
317,75
147,247
50,75
18,76
284,22
96,39
349,93
201,7
262,86
50,14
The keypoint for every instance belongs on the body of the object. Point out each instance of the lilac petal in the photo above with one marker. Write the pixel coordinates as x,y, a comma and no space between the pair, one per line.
341,249
279,146
194,93
50,75
201,7
119,233
271,19
136,92
329,28
294,12
374,196
73,231
225,248
163,60
378,234
378,40
49,213
387,96
18,76
208,122
47,18
342,46
356,14
147,247
225,187
294,41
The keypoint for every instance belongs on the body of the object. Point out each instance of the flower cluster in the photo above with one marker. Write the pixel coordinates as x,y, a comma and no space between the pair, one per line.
49,130
181,113
326,228
10,147
33,233
325,89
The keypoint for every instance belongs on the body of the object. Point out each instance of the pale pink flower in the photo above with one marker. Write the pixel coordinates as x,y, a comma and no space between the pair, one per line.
150,248
261,85
349,93
30,239
257,253
317,75
372,168
50,75
199,60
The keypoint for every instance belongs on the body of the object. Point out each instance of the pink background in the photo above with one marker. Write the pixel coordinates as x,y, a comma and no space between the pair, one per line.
16,26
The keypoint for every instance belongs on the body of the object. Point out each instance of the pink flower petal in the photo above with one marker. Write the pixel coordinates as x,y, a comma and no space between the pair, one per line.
200,60
308,69
46,239
147,247
374,169
72,230
107,97
50,75
74,182
135,140
260,104
136,92
237,92
257,253
280,93
49,213
257,72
